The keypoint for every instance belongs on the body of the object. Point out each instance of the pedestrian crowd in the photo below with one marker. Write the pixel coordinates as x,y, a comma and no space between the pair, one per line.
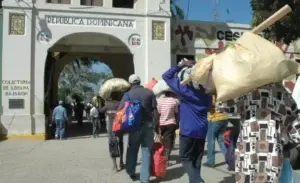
256,145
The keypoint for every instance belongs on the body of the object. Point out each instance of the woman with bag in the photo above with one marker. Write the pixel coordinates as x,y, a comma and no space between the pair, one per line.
116,145
167,106
268,115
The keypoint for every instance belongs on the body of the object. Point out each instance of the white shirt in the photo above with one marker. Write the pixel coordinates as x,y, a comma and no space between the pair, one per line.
94,112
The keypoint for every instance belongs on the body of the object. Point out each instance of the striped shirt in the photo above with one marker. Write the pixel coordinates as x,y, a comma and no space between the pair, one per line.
167,108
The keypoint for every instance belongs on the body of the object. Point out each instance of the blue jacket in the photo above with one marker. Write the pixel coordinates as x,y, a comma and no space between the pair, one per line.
59,113
194,105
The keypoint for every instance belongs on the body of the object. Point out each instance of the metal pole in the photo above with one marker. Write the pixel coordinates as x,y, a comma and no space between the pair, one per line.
32,64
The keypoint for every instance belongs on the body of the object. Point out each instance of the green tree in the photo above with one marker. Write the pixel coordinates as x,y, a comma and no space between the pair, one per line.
176,11
79,80
287,29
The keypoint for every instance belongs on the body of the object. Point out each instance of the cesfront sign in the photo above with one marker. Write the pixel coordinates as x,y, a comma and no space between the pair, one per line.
228,35
85,21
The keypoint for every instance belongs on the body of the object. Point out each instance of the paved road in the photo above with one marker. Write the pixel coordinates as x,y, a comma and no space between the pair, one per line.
81,160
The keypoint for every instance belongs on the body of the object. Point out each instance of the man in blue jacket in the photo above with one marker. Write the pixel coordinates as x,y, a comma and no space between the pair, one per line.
194,105
60,116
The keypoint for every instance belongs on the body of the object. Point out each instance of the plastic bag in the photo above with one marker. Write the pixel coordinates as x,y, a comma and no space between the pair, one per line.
161,86
250,63
151,84
113,85
287,173
159,165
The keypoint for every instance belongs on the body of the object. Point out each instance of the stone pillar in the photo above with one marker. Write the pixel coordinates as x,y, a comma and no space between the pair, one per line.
16,117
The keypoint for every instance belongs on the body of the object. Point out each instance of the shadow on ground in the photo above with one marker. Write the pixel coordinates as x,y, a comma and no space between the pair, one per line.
228,179
172,174
76,131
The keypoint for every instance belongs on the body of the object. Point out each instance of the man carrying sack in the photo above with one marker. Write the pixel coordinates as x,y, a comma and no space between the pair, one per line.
194,105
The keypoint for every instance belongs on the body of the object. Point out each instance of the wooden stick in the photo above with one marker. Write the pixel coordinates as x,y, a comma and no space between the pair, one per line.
271,20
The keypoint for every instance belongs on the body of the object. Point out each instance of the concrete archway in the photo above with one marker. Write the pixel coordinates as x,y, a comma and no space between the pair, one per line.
107,48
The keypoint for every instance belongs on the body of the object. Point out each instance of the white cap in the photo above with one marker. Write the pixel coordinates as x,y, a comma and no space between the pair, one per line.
134,79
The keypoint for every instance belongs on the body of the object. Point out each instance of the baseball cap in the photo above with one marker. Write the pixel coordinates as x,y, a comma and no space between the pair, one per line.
134,79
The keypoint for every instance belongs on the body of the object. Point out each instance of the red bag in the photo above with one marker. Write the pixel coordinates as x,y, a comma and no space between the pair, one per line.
159,160
151,84
226,138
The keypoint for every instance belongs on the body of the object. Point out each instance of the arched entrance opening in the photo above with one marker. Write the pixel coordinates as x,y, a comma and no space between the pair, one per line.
87,49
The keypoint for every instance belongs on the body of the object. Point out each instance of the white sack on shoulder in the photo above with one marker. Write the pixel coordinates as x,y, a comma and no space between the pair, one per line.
201,71
251,63
113,85
160,86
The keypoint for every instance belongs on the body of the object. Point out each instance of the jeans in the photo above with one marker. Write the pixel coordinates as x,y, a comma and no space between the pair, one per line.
96,126
215,131
143,138
60,128
191,151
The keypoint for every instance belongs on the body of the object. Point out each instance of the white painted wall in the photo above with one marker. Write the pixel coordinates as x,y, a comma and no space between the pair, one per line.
24,56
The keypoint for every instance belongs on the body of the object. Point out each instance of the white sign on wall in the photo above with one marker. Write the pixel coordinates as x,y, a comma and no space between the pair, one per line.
16,88
85,21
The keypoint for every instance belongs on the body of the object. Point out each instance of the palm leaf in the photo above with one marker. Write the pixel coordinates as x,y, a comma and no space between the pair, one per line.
176,11
179,12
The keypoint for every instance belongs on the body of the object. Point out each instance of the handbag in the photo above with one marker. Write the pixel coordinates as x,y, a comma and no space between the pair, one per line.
159,163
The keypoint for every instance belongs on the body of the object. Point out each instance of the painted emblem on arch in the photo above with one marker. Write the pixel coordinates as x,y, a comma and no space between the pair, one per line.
44,37
135,40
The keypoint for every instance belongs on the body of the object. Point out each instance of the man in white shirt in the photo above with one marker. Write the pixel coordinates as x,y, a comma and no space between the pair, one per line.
94,115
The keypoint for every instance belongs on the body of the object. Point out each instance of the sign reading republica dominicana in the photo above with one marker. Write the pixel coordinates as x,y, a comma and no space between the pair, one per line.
86,21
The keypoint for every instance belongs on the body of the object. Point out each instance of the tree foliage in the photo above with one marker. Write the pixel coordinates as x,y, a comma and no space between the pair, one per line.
287,29
79,80
176,11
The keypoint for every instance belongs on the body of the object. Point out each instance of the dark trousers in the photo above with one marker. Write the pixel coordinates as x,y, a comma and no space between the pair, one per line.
191,151
168,134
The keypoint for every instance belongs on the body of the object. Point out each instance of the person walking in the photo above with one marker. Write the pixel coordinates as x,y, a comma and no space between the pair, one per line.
88,108
194,105
269,121
218,121
145,137
59,115
167,106
116,144
94,116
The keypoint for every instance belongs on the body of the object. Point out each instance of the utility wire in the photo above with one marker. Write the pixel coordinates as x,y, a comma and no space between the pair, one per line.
188,10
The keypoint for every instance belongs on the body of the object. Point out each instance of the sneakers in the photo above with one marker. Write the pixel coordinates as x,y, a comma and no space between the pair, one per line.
133,177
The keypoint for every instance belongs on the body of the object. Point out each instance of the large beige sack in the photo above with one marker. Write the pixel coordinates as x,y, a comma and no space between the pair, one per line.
200,72
250,63
113,85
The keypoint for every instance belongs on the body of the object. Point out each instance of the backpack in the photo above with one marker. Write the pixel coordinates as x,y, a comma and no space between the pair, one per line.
129,118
